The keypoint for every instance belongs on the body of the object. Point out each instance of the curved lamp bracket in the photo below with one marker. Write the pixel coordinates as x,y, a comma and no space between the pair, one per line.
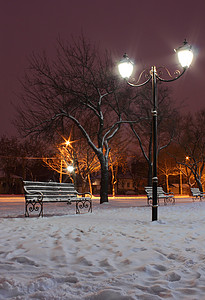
176,75
147,77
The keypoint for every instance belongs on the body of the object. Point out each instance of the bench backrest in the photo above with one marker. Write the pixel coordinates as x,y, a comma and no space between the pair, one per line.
52,191
148,190
195,191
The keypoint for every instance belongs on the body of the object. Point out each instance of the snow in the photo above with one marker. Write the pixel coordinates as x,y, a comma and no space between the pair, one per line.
114,253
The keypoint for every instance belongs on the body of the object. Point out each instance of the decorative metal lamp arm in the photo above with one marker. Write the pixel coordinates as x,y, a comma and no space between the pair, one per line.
179,74
185,56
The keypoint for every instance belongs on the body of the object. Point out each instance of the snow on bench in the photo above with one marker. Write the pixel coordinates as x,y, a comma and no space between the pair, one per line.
167,197
36,193
196,194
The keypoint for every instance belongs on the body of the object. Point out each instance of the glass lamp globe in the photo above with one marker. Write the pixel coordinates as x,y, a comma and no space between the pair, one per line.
185,54
125,67
70,169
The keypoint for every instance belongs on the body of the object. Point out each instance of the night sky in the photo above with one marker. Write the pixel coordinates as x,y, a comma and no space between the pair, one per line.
147,30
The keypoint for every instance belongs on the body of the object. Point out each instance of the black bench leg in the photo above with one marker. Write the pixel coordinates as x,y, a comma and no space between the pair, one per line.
83,204
77,208
26,210
33,206
91,206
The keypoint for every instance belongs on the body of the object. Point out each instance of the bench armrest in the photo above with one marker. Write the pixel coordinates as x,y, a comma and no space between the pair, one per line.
83,194
36,194
170,193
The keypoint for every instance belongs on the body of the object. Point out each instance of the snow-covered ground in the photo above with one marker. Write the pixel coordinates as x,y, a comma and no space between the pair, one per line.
114,253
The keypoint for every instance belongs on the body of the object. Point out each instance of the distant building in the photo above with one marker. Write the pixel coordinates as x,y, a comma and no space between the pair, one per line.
96,185
176,189
125,185
11,185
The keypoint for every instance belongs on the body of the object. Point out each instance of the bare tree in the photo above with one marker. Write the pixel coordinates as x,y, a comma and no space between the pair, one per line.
167,169
192,144
137,167
117,159
78,155
17,160
78,87
139,110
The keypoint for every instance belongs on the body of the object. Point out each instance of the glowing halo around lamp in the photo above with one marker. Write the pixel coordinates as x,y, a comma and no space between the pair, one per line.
125,67
185,54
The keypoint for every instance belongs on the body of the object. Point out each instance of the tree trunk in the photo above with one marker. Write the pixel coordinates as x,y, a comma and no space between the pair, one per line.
180,183
104,180
113,180
167,183
84,185
90,184
198,181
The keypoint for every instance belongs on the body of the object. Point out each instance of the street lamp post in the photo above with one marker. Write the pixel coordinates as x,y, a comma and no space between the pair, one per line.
185,56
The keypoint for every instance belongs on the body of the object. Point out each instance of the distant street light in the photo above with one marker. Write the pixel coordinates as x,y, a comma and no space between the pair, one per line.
70,169
67,143
185,56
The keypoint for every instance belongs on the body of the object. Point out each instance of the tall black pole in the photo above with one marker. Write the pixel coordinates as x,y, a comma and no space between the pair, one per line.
154,145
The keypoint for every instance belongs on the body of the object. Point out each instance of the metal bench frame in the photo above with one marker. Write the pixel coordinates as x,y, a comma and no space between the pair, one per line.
167,197
37,193
197,194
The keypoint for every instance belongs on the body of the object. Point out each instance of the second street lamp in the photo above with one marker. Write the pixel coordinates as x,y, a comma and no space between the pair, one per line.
185,56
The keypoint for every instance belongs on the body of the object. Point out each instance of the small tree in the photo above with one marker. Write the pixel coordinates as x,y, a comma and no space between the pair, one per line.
192,143
117,159
140,110
167,170
78,155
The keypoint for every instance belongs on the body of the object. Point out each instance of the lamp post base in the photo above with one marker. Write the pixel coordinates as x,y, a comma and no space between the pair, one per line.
154,212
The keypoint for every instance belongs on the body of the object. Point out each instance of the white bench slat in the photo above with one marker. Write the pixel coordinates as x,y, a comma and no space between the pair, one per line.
168,197
38,192
197,194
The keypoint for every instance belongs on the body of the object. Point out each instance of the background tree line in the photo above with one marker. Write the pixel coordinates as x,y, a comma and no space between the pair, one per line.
182,159
81,89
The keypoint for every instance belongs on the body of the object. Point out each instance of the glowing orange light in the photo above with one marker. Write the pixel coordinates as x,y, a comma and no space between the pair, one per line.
67,143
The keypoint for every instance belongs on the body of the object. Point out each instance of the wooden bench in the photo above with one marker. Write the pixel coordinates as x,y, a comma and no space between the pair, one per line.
196,194
167,197
36,193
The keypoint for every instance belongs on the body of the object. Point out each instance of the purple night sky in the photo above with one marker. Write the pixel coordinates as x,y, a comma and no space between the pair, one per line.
147,30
